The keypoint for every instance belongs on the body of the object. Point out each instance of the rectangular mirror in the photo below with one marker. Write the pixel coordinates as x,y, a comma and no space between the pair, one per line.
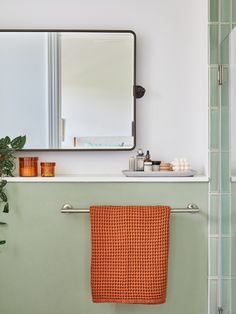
68,90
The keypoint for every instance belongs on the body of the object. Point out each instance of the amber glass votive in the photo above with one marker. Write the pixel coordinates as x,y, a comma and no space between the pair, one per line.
28,166
48,169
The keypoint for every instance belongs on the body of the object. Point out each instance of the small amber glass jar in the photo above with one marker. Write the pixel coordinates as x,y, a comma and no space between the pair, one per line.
48,169
28,166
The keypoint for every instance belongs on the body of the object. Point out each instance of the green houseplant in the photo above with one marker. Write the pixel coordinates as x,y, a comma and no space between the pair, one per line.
8,148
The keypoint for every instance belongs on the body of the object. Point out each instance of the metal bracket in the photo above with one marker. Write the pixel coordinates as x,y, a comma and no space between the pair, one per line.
139,91
220,310
220,74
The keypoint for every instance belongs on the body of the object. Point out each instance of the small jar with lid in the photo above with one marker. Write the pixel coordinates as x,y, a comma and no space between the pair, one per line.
28,166
147,166
48,169
156,165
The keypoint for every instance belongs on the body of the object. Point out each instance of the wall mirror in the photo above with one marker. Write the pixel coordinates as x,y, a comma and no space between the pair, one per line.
68,90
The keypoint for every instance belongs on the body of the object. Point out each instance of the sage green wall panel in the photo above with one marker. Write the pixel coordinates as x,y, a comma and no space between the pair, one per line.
45,265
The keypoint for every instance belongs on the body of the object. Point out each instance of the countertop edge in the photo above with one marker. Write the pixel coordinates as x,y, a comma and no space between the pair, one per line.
105,178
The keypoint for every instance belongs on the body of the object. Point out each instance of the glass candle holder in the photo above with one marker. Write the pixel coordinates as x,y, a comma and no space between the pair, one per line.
28,166
48,169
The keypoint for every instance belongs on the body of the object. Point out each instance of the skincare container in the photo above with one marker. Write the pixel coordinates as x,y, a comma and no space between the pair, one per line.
156,165
28,166
147,166
48,169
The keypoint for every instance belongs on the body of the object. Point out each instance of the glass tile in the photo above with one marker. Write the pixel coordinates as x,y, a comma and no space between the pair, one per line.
225,214
214,53
233,294
213,256
225,259
214,11
213,297
233,257
225,10
224,88
233,218
214,88
225,30
234,11
214,172
214,213
225,175
226,288
225,129
214,132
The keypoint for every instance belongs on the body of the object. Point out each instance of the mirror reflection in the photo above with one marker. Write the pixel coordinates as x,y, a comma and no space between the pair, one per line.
68,90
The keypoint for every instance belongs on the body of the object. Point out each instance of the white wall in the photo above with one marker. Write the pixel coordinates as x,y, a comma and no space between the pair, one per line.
171,64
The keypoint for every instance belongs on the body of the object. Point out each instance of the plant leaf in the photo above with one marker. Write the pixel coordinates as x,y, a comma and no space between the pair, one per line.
3,183
18,142
6,208
7,140
3,196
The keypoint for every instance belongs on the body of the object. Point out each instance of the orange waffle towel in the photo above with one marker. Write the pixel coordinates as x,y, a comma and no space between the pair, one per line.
130,247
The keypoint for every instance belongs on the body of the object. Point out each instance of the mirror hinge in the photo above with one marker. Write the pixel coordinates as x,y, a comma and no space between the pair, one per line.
220,310
139,91
220,74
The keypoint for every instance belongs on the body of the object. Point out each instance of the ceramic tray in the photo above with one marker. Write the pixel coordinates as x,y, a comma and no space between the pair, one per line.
190,173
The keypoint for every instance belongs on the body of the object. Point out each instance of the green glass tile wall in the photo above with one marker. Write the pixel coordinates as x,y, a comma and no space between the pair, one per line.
222,18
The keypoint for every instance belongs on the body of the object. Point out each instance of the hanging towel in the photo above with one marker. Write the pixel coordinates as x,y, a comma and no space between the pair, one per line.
129,261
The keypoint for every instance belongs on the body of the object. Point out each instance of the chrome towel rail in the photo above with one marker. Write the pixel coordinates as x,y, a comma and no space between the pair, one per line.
190,209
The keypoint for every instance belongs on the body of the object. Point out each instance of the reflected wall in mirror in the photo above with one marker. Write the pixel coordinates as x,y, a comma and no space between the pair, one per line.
68,89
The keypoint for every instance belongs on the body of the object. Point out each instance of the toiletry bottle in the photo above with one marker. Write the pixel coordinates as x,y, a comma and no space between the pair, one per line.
132,163
139,161
147,163
147,157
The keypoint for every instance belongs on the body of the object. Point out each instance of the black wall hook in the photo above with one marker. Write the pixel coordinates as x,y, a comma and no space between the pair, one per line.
139,91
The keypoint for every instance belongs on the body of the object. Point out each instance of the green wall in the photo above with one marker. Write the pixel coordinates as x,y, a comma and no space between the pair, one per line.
45,265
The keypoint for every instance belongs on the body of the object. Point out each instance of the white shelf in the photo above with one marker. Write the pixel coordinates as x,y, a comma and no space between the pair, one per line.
106,178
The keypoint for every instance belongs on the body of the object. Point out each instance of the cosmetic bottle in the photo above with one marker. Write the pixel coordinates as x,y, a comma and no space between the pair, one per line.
132,163
139,164
147,163
147,157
